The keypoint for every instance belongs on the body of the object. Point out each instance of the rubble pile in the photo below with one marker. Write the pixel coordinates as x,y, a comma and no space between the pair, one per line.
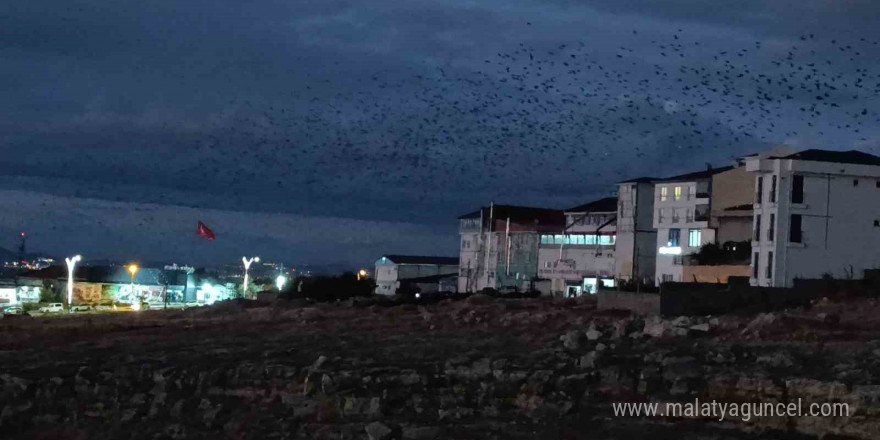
480,368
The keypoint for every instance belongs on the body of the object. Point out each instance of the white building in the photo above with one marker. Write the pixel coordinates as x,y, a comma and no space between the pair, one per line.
681,216
393,270
816,212
635,250
581,255
499,246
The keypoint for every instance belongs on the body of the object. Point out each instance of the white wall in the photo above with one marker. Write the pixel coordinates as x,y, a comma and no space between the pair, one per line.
636,246
837,221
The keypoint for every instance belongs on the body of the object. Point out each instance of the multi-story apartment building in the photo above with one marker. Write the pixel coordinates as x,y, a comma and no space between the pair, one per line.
682,208
635,249
499,246
816,212
580,255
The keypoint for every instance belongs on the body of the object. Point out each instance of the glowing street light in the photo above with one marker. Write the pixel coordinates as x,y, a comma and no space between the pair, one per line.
279,282
362,274
247,265
71,262
133,270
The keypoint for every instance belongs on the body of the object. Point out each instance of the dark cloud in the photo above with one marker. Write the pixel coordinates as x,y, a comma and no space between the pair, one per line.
404,113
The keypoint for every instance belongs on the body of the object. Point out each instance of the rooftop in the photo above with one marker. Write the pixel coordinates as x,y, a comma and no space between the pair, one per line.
851,157
699,175
512,211
419,259
641,180
607,204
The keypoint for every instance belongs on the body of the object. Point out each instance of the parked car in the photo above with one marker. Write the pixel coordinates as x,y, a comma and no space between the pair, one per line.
13,310
80,308
104,308
52,308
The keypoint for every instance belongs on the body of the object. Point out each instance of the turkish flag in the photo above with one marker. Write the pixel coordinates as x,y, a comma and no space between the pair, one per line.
205,232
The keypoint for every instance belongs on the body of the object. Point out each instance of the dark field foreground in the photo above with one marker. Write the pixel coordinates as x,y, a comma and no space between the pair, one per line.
474,369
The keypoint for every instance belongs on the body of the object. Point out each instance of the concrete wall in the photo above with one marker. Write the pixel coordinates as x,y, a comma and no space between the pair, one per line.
735,187
636,245
472,262
734,228
838,221
388,274
639,303
522,266
714,274
672,264
386,277
577,263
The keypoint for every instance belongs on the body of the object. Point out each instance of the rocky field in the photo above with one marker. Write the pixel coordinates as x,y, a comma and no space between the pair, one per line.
473,369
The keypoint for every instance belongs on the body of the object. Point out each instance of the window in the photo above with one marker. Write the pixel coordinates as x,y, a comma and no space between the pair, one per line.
797,189
855,182
695,237
660,215
755,265
758,227
769,265
771,229
663,191
795,235
606,240
773,189
676,260
692,192
877,184
666,277
677,193
674,237
759,189
689,215
675,217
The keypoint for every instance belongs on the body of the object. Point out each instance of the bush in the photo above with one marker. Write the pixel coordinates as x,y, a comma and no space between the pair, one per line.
328,289
731,252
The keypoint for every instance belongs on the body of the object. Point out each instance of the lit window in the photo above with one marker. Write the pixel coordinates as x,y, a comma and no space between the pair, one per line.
663,190
677,193
695,237
674,237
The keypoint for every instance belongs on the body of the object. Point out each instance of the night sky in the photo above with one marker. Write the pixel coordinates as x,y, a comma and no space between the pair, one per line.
327,132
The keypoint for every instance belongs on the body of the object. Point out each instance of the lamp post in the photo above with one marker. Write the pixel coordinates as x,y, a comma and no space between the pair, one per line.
71,262
362,274
280,281
133,269
247,265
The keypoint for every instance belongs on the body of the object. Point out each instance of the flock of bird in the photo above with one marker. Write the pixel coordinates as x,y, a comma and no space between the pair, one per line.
519,126
576,115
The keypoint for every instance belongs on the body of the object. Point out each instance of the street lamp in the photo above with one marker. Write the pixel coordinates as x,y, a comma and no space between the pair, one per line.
133,269
71,262
247,265
362,274
279,282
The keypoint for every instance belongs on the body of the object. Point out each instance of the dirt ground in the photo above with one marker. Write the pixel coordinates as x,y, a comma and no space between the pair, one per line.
478,368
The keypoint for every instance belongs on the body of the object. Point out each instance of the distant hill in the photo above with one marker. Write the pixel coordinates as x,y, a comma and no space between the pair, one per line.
8,255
